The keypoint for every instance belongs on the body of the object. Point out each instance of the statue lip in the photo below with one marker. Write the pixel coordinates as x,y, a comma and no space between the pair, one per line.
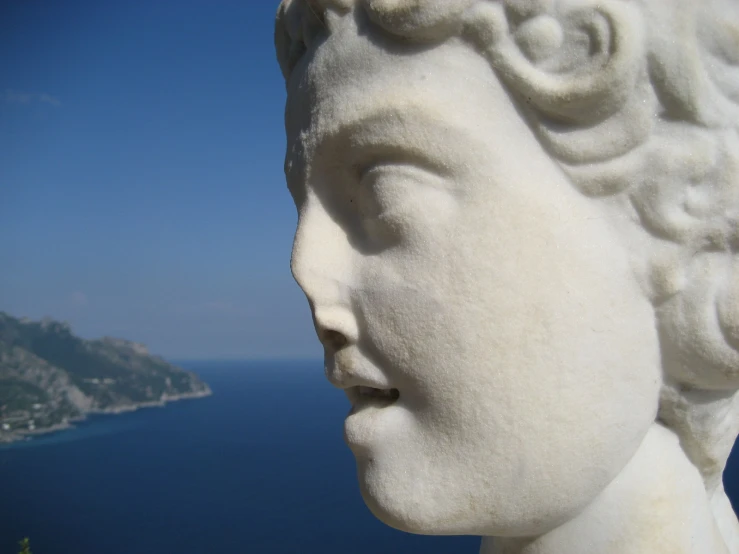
361,396
369,407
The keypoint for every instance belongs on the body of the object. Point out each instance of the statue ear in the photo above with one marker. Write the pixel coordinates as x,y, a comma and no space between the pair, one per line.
576,64
699,326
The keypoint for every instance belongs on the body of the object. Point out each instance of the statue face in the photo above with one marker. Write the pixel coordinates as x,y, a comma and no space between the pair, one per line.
447,257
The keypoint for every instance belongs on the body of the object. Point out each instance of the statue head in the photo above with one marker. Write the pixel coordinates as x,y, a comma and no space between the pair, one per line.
518,233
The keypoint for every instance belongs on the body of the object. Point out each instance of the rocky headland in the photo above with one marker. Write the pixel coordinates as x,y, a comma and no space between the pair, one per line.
50,378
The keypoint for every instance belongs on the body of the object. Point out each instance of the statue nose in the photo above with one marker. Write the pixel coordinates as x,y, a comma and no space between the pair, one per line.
321,265
333,340
336,327
321,255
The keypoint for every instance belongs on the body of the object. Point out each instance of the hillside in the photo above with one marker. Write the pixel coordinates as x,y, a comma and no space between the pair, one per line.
49,377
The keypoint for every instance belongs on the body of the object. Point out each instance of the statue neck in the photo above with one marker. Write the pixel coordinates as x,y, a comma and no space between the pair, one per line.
658,503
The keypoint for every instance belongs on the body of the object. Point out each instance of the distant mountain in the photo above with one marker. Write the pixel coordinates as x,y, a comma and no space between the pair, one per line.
49,377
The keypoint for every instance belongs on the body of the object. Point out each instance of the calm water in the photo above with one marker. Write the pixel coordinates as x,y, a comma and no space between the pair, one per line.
258,467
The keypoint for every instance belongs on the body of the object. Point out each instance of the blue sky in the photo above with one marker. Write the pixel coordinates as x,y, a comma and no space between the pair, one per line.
141,185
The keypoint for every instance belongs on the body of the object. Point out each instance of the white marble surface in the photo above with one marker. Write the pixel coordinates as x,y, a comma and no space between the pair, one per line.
518,232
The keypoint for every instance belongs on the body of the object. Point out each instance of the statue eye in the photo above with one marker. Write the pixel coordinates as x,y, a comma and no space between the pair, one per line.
370,181
382,201
382,187
397,177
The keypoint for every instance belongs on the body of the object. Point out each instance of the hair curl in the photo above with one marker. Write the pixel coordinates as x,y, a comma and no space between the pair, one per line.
638,101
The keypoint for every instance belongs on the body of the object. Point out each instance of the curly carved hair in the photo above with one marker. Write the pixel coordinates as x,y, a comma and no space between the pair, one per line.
638,101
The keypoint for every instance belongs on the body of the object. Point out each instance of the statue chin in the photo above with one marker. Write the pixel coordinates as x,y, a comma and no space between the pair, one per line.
515,260
659,471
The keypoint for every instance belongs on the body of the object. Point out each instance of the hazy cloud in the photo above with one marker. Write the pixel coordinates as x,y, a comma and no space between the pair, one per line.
18,97
213,307
218,307
78,298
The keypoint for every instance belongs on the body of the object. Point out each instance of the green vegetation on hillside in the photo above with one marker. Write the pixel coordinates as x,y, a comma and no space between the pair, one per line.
49,376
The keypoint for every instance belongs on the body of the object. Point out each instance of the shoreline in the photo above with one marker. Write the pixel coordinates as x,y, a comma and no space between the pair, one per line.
161,403
27,434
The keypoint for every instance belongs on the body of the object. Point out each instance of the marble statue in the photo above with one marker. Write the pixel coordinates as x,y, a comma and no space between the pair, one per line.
518,233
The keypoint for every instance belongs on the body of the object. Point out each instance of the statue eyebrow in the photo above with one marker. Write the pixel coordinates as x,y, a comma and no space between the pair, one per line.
411,115
400,134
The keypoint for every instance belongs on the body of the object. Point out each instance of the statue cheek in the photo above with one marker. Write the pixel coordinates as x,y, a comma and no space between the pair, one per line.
398,312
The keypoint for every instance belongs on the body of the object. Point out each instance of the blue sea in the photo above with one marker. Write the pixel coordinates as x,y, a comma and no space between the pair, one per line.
259,467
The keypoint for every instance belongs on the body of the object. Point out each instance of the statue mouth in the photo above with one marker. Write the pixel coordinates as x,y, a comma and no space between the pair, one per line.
361,396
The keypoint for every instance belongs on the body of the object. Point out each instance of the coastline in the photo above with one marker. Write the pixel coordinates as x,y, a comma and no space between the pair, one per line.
161,403
27,434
